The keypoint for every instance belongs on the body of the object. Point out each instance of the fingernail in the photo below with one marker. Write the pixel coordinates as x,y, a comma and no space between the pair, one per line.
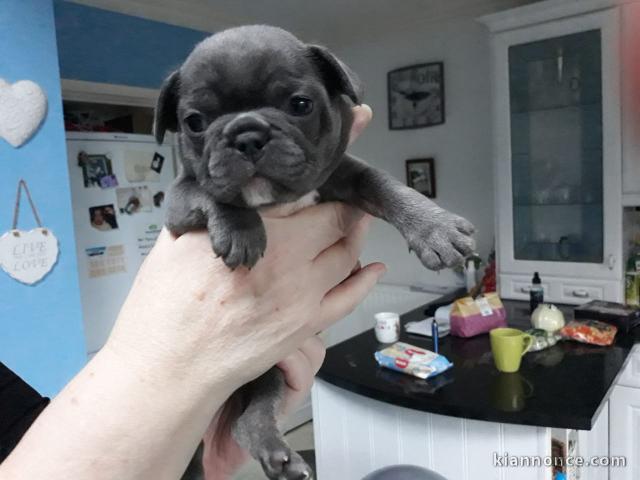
381,270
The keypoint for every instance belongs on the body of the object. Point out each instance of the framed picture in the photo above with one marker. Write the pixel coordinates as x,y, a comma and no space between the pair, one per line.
421,176
416,96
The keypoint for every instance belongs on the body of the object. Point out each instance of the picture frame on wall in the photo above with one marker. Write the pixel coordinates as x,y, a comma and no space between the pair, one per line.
421,176
416,96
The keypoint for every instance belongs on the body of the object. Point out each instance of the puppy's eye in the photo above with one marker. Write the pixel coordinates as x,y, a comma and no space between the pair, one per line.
300,106
195,123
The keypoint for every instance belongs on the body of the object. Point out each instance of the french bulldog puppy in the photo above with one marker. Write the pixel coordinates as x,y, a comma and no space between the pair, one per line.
263,119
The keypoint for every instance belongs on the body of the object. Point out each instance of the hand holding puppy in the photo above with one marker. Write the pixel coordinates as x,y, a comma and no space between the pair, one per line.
222,327
190,333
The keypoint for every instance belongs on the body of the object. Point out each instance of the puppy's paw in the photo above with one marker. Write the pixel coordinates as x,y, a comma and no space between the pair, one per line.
241,247
444,240
279,462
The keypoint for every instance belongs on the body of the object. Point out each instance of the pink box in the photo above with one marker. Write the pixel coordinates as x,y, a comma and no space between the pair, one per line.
473,317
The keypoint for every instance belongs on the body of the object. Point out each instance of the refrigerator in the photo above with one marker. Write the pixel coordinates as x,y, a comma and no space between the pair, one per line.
118,186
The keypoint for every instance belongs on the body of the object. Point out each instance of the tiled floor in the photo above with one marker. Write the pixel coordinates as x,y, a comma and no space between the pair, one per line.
300,439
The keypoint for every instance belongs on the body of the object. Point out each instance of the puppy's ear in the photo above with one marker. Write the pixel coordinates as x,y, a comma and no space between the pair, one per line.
166,114
336,74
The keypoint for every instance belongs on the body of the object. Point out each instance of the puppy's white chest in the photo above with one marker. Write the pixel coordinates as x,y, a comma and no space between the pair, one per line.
257,192
286,209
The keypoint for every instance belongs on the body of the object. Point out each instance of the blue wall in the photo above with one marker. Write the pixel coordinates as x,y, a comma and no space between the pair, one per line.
100,46
41,334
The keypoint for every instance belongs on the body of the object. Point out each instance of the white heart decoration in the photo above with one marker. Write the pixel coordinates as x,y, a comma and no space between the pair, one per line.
23,106
28,256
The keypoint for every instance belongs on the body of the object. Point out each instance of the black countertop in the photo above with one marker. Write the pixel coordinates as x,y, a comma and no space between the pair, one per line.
564,386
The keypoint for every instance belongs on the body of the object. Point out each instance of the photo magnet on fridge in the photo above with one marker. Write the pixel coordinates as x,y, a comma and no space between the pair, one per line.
157,162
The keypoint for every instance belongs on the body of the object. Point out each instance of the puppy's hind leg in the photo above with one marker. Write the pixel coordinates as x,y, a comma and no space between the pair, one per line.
195,469
256,430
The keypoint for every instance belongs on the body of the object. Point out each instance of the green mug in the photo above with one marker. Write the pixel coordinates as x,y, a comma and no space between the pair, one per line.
508,345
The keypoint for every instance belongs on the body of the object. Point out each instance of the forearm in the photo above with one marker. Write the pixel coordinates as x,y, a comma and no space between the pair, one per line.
118,419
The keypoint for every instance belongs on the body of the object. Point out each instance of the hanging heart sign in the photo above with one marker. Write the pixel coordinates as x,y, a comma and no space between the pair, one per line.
23,106
28,256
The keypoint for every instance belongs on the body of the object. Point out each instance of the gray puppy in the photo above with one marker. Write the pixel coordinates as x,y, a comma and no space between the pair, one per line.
264,119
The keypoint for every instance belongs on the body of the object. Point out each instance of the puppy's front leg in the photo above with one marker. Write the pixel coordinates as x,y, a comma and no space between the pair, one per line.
439,238
237,234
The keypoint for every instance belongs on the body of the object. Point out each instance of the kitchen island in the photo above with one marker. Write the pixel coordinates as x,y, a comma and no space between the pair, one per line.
468,421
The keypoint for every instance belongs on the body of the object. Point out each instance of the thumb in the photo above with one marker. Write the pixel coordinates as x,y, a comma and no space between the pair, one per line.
362,115
345,297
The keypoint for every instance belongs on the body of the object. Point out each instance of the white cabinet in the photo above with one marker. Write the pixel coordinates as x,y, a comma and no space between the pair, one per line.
624,433
561,289
595,443
630,376
558,149
355,435
631,105
624,422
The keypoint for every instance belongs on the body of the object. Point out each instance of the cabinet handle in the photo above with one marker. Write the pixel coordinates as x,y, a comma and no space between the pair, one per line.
611,262
525,289
581,293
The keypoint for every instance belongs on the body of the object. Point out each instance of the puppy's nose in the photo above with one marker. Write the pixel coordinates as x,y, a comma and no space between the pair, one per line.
251,142
248,133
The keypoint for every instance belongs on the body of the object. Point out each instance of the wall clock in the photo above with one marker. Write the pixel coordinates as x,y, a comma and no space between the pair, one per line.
416,96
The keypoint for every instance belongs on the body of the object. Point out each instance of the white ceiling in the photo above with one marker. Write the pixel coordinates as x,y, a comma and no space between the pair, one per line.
332,22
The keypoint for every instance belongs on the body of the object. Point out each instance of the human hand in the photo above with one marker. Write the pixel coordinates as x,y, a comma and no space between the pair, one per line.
220,325
362,115
224,328
190,333
222,456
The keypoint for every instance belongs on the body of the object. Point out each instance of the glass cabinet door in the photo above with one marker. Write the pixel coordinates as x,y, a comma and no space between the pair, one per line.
556,148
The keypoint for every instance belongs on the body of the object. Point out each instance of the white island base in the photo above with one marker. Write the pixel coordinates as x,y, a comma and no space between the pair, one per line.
355,435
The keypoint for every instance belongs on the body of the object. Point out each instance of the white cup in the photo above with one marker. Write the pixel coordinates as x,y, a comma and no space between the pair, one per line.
387,327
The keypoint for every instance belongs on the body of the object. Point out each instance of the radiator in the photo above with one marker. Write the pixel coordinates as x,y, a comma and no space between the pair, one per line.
383,298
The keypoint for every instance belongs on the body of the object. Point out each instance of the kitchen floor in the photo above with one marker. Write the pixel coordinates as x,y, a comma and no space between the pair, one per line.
300,439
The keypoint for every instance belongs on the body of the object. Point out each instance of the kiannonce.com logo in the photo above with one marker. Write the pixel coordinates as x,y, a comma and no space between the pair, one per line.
524,461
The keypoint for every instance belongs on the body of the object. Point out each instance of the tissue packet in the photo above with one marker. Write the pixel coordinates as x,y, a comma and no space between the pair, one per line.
412,360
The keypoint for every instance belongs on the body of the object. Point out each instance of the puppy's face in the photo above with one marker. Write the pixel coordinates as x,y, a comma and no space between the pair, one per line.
262,118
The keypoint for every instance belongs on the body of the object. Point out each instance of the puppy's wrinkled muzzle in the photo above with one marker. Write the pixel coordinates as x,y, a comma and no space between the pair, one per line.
257,157
248,133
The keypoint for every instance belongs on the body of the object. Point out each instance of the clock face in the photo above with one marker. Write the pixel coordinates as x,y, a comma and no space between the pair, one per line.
416,96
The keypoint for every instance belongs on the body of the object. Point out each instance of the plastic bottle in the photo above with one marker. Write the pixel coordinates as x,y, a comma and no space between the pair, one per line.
470,274
536,292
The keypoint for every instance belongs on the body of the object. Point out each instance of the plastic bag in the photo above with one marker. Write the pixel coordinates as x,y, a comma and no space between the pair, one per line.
590,331
542,339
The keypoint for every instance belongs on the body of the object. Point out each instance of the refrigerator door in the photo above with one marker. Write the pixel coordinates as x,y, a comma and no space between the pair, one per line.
118,185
